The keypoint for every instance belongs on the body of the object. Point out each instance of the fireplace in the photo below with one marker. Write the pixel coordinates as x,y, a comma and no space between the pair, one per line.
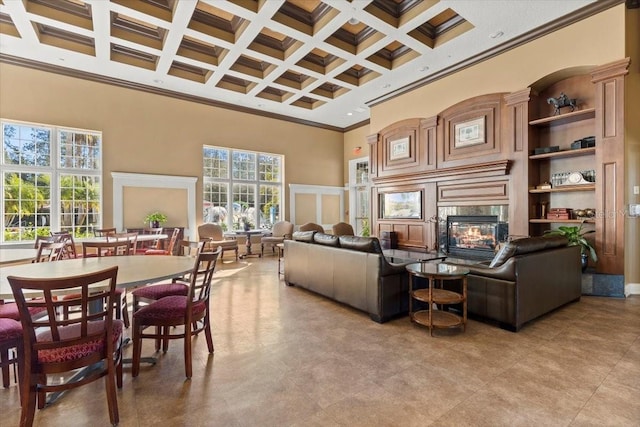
474,236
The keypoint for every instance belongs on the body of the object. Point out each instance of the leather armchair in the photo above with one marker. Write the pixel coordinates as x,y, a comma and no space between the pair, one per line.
281,230
312,226
213,236
343,229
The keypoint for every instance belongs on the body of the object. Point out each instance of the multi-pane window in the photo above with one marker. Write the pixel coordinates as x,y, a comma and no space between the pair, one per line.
242,189
52,181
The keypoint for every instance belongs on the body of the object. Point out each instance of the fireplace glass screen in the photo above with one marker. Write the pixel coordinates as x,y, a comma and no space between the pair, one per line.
474,236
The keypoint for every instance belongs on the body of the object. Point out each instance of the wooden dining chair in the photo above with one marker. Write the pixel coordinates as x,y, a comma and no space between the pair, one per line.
39,239
190,311
99,249
70,246
54,347
118,247
131,238
169,251
104,232
49,251
147,245
177,286
10,349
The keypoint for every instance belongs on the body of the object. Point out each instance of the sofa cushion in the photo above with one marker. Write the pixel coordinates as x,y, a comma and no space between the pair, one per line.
326,239
525,246
555,241
303,236
506,252
358,243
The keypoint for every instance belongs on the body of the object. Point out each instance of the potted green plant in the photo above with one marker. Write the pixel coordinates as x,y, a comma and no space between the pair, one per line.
155,219
576,237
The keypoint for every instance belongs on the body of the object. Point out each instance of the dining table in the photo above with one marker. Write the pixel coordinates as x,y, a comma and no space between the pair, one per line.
16,255
9,255
133,271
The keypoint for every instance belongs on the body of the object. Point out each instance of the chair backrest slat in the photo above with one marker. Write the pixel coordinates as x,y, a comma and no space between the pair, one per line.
131,238
200,284
93,287
110,248
49,251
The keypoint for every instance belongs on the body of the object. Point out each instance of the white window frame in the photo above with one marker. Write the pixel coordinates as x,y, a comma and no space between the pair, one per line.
54,169
257,182
358,184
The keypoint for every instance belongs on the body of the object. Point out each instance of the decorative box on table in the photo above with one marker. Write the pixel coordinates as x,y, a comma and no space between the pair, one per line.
559,213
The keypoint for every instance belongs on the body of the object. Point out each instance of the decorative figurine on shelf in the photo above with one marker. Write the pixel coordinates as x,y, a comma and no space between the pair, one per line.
561,102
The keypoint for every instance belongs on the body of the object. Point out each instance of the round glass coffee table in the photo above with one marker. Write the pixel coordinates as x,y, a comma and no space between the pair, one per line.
435,297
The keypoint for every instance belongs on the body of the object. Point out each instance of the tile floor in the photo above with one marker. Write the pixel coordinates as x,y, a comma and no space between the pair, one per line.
287,357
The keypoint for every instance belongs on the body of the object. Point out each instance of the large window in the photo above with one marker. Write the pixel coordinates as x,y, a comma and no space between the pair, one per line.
242,188
51,179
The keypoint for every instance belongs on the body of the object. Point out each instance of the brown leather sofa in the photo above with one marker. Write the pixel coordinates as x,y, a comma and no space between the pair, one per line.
528,278
348,269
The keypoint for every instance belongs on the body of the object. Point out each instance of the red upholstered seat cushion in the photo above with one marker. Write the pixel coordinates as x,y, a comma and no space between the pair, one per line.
10,311
156,252
156,292
9,329
74,352
172,307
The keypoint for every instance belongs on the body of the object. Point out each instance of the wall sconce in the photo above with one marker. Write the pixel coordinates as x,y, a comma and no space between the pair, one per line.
357,150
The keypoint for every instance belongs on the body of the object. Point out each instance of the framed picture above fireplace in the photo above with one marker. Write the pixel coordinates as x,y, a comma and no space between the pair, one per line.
401,205
469,133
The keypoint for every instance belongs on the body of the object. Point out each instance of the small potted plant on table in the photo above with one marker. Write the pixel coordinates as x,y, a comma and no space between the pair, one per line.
155,219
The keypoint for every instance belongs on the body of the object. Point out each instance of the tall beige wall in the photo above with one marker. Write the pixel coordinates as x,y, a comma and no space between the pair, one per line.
582,44
632,150
154,134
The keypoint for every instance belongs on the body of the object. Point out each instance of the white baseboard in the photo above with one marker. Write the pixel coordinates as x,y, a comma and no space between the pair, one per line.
632,289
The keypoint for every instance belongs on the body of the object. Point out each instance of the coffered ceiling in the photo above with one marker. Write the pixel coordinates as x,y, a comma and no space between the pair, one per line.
321,62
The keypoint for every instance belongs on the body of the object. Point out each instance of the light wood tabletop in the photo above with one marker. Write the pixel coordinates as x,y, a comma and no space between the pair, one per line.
132,270
16,255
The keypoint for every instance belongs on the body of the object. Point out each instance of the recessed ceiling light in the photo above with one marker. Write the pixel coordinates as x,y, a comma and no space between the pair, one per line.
158,81
386,86
349,113
359,110
425,68
61,59
353,21
260,105
497,34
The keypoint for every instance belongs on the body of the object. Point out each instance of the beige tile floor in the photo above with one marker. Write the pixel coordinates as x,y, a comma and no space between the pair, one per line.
287,357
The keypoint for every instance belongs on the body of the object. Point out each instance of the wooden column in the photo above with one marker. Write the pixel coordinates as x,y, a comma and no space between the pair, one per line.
517,138
609,104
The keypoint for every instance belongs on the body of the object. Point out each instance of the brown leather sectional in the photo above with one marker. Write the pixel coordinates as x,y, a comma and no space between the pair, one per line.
348,269
528,278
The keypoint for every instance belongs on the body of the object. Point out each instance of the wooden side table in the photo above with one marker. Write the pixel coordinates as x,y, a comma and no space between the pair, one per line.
433,295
